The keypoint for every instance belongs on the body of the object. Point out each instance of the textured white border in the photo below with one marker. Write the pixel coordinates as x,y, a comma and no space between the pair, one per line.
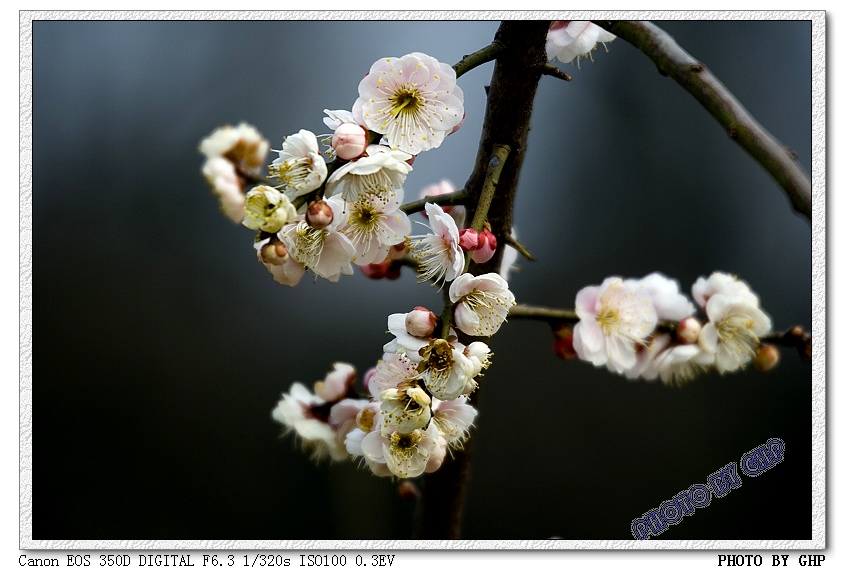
819,177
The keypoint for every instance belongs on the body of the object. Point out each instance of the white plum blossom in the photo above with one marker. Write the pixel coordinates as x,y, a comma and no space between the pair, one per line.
374,223
405,454
481,302
381,171
297,411
669,303
325,251
454,420
222,177
733,331
446,370
404,343
300,167
439,253
615,319
720,283
243,146
413,100
267,209
568,40
337,118
284,268
336,383
232,153
681,364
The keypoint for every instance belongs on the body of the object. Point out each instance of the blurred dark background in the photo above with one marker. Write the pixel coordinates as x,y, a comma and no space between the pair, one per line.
161,345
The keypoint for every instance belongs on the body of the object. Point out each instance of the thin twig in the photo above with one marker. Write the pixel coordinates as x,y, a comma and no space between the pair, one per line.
553,71
693,76
796,337
494,170
482,56
453,199
512,241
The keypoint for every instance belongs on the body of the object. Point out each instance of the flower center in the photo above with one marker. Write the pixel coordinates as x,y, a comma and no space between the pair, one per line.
403,444
737,335
406,100
609,320
293,171
308,243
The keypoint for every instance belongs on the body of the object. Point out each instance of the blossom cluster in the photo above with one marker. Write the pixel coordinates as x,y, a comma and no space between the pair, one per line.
327,210
325,216
416,409
618,327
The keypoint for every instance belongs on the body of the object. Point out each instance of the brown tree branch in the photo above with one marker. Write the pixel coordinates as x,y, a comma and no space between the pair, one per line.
693,76
509,104
453,199
482,56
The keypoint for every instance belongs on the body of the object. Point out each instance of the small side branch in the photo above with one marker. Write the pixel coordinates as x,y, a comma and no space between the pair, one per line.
693,76
482,56
494,170
553,71
453,199
512,241
795,337
548,314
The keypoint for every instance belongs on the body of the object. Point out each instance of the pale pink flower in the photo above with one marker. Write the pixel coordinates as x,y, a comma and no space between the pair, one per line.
446,370
439,253
681,364
405,454
226,185
720,283
413,100
326,251
380,172
375,223
300,167
615,319
733,331
481,303
337,383
454,420
243,146
299,411
669,303
568,40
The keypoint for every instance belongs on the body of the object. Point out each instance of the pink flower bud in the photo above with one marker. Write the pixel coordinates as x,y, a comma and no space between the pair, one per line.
274,254
486,247
766,357
349,141
469,239
408,490
688,330
384,270
397,251
420,322
319,215
563,342
411,160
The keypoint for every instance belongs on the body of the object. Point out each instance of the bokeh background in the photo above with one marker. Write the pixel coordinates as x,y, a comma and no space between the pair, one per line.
161,345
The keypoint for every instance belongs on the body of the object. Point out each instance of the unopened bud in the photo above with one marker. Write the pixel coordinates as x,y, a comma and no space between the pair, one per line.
387,269
420,322
274,254
408,490
411,160
487,243
397,251
319,215
688,330
469,239
563,342
349,141
766,357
